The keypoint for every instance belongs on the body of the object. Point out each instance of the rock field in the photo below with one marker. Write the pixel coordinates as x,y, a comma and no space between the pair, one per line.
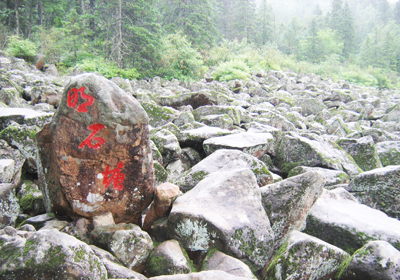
283,176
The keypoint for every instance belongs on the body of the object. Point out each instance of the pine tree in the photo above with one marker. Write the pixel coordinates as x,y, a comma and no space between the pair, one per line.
347,32
195,18
264,19
244,13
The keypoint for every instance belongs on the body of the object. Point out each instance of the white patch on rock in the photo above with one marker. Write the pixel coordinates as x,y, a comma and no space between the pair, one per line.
100,176
94,197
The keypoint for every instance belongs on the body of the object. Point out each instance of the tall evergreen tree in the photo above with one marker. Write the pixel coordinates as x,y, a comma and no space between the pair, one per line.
347,32
264,20
195,18
244,13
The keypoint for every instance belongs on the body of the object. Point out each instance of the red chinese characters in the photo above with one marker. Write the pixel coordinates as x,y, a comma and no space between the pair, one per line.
88,141
114,176
73,97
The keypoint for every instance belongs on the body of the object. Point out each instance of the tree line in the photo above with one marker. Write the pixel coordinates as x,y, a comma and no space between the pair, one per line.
180,39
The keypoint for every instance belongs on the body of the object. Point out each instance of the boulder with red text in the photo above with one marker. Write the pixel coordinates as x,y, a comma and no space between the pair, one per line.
95,155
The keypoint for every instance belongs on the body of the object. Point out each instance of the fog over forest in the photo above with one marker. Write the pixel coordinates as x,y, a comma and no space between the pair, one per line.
355,40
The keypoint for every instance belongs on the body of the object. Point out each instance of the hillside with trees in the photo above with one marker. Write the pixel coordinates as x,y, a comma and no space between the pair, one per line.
353,40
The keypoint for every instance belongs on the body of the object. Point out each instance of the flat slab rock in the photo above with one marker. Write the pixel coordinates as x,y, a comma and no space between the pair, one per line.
95,155
255,144
339,219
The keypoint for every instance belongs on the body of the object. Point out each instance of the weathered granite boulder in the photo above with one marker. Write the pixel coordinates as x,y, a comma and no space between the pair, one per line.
294,150
47,254
159,115
232,112
375,260
288,202
379,189
127,242
114,268
332,177
169,259
216,260
80,229
363,151
95,155
164,196
389,152
339,219
305,257
9,207
255,144
23,116
224,211
224,160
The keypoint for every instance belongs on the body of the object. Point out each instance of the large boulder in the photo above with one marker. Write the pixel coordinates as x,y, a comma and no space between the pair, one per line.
127,242
203,275
294,150
95,155
389,152
379,189
224,211
224,160
363,151
169,259
47,254
375,260
339,219
288,202
305,257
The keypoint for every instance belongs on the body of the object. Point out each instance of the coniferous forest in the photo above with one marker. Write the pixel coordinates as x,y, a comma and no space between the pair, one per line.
355,40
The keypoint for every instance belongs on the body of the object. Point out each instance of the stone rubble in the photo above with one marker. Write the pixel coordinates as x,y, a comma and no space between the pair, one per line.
222,175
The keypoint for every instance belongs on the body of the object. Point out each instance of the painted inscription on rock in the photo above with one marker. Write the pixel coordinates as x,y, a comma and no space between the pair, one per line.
95,155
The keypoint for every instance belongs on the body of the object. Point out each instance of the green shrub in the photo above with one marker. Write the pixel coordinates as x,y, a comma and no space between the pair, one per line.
234,69
22,48
107,69
179,59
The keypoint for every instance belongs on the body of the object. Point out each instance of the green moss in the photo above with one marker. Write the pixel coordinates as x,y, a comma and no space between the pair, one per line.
26,202
343,266
79,255
279,258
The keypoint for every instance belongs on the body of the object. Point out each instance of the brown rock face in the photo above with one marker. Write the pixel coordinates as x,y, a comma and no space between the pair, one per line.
164,196
95,155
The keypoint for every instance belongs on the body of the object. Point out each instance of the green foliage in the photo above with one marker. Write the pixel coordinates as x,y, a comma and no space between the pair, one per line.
22,48
107,69
179,59
234,69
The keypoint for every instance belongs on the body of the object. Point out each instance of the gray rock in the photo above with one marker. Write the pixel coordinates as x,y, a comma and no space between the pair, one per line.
222,121
231,111
23,137
9,207
80,229
216,260
39,220
47,254
363,151
375,260
31,199
294,150
167,144
305,257
224,160
389,152
339,219
113,266
169,259
332,177
255,144
159,115
127,242
23,116
288,202
196,136
6,170
379,189
224,211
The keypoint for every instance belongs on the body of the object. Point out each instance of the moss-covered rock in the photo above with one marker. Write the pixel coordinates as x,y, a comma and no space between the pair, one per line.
9,207
379,189
158,115
363,151
389,152
169,259
293,261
